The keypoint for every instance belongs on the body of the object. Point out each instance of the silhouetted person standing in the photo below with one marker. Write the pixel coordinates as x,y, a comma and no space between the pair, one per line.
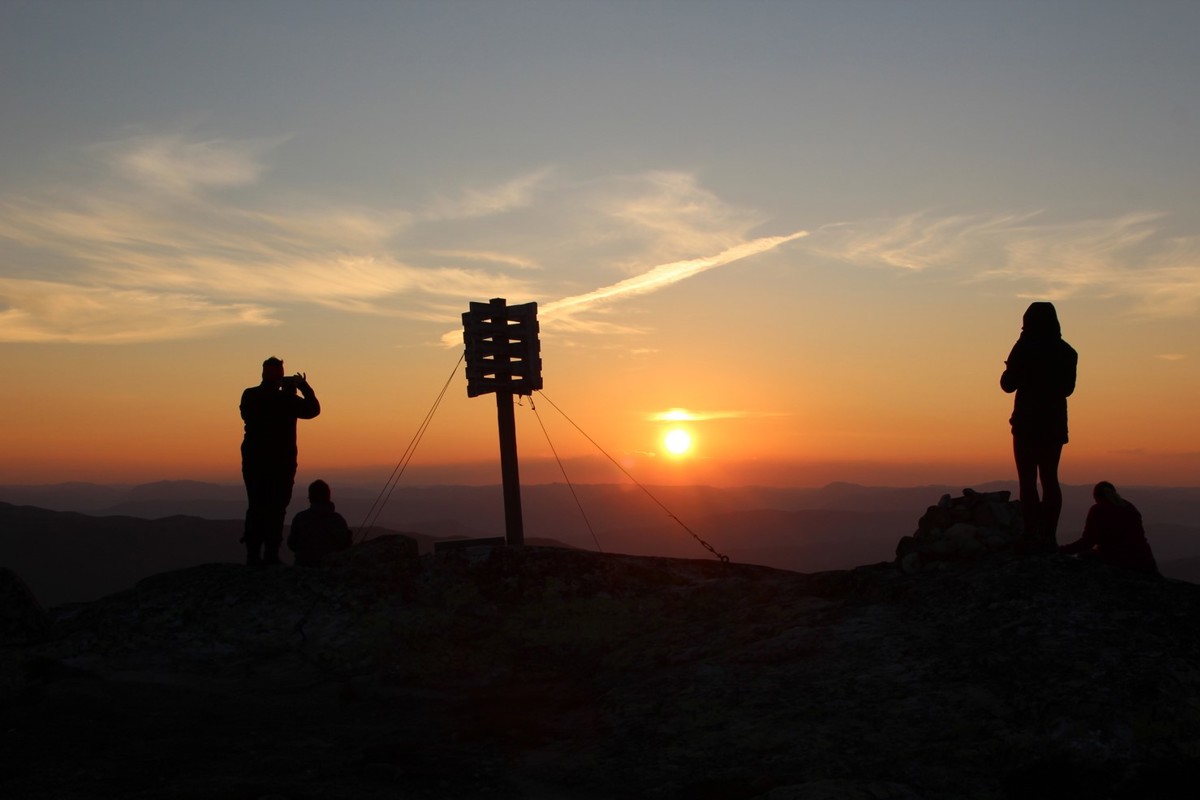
319,530
1041,370
1113,533
270,411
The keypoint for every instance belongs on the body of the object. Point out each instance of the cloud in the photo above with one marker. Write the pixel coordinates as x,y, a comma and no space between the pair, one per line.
148,230
1129,257
163,219
151,223
912,242
235,254
176,163
508,196
659,277
650,225
349,283
654,225
683,415
670,214
43,311
566,314
476,256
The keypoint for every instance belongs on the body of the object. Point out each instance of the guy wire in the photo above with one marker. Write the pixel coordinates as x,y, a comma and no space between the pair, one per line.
724,558
385,493
563,469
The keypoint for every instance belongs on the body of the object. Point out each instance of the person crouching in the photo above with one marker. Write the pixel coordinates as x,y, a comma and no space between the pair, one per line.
1113,533
319,530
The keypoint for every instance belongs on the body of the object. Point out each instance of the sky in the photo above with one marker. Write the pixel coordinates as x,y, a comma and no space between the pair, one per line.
804,233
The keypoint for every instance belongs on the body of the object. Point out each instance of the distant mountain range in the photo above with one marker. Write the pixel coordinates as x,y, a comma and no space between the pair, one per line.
75,542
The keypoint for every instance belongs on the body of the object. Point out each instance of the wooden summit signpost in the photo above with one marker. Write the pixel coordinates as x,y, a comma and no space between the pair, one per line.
503,356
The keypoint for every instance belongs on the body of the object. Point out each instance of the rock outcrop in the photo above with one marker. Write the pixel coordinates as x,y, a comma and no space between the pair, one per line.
548,673
962,528
22,618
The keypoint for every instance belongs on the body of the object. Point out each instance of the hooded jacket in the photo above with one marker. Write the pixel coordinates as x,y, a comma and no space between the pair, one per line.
1041,370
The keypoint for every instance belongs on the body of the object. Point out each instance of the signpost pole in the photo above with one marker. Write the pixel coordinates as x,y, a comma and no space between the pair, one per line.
503,356
514,526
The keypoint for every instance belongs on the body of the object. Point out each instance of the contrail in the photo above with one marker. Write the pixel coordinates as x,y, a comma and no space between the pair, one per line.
662,276
650,281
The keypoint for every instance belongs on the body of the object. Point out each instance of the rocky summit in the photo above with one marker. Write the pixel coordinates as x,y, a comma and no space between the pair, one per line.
552,673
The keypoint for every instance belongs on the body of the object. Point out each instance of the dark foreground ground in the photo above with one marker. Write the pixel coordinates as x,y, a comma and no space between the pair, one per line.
545,673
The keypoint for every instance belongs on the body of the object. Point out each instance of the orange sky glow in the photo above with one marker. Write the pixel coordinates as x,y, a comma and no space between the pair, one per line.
140,414
806,236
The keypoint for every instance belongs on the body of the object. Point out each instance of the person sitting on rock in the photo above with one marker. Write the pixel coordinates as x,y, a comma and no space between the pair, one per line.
319,530
1113,533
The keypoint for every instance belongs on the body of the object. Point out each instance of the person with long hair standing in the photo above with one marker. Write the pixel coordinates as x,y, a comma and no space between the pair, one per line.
1041,370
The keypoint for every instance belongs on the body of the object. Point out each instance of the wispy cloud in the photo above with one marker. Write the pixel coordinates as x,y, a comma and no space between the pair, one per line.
1129,257
43,311
171,217
148,232
179,222
658,228
568,315
178,163
234,254
670,214
912,242
508,196
478,256
684,415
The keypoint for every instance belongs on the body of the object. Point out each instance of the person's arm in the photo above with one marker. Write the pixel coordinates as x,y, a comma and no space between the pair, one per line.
1010,379
1088,539
1080,545
1070,367
245,407
307,405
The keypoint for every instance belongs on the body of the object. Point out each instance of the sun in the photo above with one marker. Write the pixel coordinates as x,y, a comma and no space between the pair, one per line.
677,441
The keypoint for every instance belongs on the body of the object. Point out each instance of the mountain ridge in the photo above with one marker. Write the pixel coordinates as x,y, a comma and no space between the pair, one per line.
839,527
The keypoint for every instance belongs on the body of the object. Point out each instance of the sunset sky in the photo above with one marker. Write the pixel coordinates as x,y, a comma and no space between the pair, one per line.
804,232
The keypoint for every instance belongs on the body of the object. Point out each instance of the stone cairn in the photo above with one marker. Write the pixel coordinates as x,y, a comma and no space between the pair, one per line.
962,529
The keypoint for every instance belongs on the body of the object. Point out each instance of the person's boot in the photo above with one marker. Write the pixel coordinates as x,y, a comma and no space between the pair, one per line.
254,555
270,556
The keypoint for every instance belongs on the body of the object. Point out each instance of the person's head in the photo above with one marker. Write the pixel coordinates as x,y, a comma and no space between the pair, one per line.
272,370
318,492
1041,320
1105,492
